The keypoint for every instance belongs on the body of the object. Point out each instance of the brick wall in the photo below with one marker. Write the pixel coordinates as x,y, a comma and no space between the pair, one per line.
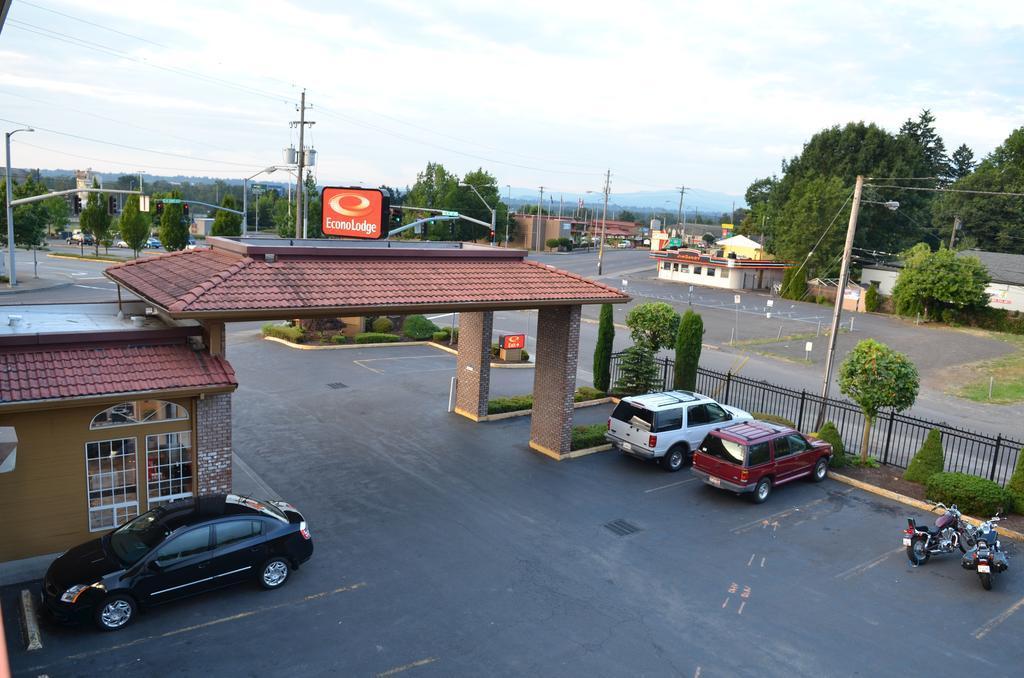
474,363
554,379
213,443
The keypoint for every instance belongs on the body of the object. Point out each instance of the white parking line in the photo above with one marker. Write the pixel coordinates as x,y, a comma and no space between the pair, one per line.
864,567
665,487
983,630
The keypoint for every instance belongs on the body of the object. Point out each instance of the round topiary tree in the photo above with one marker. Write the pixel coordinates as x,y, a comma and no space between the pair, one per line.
382,325
653,325
874,376
830,434
418,327
603,349
928,461
688,346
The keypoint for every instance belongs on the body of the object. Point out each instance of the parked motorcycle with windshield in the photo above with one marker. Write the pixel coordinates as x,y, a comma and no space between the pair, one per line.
951,533
986,556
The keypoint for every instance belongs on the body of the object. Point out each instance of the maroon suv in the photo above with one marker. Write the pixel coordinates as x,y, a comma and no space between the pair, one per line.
754,456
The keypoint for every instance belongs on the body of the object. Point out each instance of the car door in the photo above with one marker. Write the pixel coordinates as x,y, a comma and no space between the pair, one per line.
180,567
697,425
804,455
239,548
786,459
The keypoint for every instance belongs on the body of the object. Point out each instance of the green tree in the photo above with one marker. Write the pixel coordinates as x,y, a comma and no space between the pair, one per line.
872,299
995,222
830,434
921,132
1016,485
135,226
173,227
627,215
227,223
961,162
30,219
59,212
688,347
637,371
815,206
760,190
874,376
284,219
653,325
94,218
265,210
603,349
935,281
794,284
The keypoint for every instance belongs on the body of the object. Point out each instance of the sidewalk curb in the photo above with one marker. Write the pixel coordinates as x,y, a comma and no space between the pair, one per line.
21,290
576,454
304,347
33,640
525,413
916,503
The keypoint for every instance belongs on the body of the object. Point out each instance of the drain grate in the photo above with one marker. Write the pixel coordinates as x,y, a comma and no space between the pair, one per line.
622,527
336,385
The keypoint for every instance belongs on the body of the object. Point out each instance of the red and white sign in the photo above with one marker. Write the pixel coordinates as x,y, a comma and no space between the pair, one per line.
511,341
354,212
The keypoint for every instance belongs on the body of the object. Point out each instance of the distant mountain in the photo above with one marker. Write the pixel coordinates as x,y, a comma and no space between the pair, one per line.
697,199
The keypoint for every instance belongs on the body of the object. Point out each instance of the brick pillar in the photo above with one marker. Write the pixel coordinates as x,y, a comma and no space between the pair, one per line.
474,364
554,380
213,443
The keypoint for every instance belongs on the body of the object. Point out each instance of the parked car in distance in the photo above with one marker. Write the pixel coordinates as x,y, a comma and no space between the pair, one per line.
190,244
81,238
624,244
179,549
668,426
753,457
120,243
152,243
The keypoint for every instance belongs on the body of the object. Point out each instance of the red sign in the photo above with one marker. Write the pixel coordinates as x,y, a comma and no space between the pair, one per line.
511,341
354,212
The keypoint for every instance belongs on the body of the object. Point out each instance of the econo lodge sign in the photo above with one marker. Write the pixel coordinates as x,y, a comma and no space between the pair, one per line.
354,212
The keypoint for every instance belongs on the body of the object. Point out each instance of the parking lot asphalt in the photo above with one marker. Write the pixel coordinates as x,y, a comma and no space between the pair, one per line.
448,548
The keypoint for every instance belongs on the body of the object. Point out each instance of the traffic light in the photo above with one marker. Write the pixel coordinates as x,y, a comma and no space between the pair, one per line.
111,205
159,208
492,235
77,204
396,216
184,209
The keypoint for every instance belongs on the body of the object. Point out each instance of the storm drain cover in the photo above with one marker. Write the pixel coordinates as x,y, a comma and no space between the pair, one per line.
622,527
336,385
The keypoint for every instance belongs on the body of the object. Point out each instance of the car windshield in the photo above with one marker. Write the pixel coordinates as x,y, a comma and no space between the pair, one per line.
134,539
633,415
726,450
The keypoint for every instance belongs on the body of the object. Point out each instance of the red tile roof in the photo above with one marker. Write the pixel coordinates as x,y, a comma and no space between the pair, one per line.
45,373
207,281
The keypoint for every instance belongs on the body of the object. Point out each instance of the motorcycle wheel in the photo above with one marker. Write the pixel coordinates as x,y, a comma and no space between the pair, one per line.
986,580
918,552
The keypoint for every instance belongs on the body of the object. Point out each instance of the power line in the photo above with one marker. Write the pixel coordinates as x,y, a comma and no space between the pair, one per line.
950,190
19,142
86,21
127,146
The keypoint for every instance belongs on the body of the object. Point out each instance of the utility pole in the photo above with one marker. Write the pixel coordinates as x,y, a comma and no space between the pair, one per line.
844,273
301,124
679,217
540,213
604,219
956,227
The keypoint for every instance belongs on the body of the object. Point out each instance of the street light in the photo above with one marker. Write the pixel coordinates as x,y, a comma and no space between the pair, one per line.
508,212
604,221
12,280
245,198
494,212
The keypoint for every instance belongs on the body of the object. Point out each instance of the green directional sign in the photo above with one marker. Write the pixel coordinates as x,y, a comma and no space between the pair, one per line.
171,201
449,213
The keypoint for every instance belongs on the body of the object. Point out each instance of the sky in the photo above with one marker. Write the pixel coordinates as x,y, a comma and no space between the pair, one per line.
705,94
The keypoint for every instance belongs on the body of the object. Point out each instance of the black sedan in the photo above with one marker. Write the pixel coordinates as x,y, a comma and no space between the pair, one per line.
179,549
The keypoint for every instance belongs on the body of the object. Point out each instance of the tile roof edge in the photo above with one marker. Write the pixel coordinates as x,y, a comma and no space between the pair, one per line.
570,274
145,260
186,300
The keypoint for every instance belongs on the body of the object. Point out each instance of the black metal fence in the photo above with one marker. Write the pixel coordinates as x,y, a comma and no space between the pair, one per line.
894,438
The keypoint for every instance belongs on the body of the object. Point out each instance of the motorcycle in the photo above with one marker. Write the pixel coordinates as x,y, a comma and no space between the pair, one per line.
986,556
951,532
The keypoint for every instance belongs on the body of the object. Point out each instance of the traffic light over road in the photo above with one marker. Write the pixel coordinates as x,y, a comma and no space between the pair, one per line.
111,205
76,204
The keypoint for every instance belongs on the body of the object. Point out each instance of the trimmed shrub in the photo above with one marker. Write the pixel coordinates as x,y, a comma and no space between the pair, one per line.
688,346
1016,485
928,460
509,404
382,325
590,435
552,243
565,242
339,339
441,336
830,434
977,496
376,338
603,348
286,332
774,418
495,350
524,355
587,393
872,299
418,327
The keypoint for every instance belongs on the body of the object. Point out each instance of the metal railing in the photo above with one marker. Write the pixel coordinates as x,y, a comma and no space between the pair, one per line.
894,438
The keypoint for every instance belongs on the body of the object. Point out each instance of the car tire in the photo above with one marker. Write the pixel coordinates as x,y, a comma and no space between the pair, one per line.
762,490
115,612
274,573
675,458
820,471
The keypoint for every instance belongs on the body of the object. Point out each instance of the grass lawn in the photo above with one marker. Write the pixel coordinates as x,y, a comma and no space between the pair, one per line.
1007,374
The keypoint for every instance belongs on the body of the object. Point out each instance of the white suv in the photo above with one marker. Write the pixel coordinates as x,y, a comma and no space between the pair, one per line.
668,425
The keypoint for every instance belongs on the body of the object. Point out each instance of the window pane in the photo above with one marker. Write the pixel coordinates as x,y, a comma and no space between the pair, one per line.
168,467
758,454
187,545
235,531
669,420
726,450
782,448
716,413
111,482
796,443
696,415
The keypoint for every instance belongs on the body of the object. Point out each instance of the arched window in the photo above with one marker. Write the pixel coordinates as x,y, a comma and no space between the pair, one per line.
136,412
